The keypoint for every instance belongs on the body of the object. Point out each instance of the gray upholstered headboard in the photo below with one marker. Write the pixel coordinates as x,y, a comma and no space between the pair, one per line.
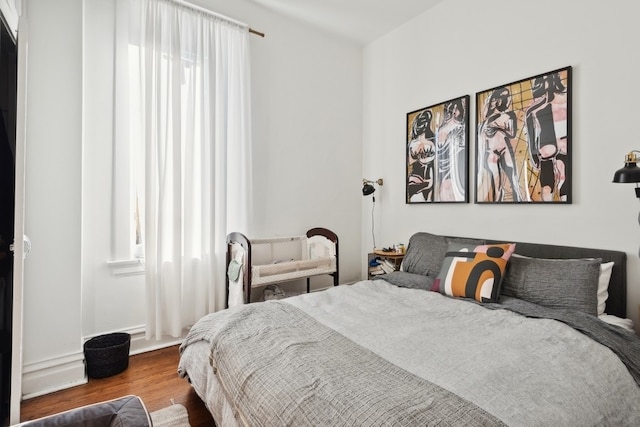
617,301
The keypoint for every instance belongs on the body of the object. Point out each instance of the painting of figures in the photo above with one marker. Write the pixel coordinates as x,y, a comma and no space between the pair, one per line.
523,141
437,153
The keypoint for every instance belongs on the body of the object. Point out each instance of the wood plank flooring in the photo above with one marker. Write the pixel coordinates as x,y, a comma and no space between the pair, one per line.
152,376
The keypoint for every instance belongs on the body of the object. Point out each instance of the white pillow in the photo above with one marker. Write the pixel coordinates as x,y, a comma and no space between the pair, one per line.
603,285
617,321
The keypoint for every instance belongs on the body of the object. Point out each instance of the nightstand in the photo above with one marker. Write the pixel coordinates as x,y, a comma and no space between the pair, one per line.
390,261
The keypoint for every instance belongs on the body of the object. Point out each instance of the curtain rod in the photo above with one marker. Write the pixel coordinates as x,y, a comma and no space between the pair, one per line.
218,15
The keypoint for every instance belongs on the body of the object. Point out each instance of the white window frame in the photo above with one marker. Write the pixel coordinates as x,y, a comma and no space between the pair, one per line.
127,254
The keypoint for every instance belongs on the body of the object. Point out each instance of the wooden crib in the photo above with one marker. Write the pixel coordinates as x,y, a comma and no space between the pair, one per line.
253,263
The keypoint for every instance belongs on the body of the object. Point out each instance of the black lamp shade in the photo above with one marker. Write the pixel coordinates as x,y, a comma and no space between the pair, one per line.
628,174
367,189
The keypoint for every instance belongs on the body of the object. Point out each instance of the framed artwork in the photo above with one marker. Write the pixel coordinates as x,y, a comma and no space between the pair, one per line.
523,141
437,154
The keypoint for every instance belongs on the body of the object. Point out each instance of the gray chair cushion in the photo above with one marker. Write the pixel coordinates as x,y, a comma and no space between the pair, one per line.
127,411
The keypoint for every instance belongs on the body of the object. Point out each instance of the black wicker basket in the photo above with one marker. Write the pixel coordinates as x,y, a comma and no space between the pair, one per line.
107,355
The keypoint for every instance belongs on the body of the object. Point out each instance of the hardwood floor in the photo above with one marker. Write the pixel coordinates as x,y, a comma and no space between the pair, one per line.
152,376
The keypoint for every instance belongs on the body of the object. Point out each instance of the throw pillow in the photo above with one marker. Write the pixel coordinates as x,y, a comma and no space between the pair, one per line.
474,271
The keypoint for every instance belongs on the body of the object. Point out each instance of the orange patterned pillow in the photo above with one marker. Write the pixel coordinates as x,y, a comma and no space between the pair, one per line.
475,272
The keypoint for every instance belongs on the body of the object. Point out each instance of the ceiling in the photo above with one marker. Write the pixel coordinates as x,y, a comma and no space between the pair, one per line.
361,21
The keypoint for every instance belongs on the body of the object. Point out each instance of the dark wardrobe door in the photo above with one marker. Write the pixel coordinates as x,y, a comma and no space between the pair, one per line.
8,80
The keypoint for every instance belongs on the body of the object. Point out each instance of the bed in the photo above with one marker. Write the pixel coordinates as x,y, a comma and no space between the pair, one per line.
534,335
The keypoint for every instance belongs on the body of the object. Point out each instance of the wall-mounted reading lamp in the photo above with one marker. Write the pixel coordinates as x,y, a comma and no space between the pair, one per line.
368,188
630,172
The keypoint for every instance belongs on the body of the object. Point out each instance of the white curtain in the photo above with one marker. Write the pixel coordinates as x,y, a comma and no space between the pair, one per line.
192,71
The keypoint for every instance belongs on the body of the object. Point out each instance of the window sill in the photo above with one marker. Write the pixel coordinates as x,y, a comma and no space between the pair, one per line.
127,267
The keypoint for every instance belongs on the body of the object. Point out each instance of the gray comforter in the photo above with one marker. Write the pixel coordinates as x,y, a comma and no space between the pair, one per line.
625,344
307,374
435,354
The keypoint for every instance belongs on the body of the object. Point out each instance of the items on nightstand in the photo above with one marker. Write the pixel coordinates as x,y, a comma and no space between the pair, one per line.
395,258
385,260
387,266
375,268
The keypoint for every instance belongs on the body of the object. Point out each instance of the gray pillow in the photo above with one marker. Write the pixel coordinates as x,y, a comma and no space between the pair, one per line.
555,283
407,280
426,252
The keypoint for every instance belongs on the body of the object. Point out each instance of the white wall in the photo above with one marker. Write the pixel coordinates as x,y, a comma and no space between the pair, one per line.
109,303
307,130
307,114
53,184
466,46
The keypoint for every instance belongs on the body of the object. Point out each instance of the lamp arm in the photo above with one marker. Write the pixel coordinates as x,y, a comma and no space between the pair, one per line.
379,181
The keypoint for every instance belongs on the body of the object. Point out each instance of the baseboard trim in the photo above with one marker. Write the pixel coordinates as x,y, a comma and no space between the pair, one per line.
140,344
53,374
